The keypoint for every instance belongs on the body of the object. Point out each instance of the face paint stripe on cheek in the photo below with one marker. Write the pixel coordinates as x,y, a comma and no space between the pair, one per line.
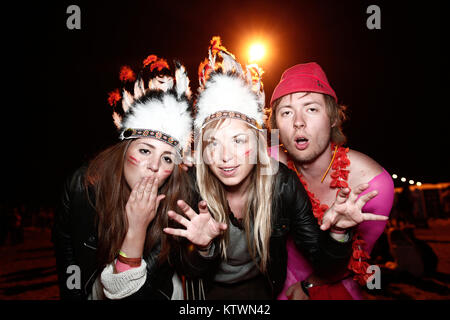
133,160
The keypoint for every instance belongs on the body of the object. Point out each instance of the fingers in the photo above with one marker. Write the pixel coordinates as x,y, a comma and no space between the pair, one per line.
357,191
203,207
223,226
186,209
360,188
373,217
176,232
134,192
178,218
151,190
365,198
137,191
290,292
342,195
328,220
159,199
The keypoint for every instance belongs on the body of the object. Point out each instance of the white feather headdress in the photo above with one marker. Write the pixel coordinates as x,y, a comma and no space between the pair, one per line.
226,90
162,111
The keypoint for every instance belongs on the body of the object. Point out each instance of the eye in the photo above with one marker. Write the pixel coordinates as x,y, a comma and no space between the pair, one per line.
212,143
286,113
240,140
313,108
167,159
144,151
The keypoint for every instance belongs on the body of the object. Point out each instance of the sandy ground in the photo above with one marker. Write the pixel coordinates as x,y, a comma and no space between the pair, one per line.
28,272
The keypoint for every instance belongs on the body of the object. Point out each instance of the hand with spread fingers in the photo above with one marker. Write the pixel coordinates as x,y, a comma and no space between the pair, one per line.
201,228
346,211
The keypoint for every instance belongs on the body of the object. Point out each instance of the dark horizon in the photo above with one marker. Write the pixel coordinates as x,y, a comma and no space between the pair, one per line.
391,79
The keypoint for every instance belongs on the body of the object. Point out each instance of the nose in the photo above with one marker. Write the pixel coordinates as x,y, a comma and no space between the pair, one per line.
227,154
299,121
153,165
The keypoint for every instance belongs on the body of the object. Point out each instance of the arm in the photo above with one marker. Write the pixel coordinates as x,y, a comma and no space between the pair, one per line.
118,279
62,238
198,251
380,205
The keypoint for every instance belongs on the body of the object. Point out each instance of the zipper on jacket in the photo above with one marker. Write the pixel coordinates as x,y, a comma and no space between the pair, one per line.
87,283
89,246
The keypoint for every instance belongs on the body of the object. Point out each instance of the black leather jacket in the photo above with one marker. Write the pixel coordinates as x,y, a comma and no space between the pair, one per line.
75,239
291,214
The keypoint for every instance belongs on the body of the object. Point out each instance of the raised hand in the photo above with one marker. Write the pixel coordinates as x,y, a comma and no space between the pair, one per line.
201,228
143,203
141,210
346,210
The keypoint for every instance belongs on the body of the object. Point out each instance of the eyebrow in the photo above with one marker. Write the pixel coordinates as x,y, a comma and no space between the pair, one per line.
212,138
153,147
306,104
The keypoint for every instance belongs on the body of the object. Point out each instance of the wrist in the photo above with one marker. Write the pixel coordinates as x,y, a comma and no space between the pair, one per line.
338,230
132,262
133,245
204,248
341,237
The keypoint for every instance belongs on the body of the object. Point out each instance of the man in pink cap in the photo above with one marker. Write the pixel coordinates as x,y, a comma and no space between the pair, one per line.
305,109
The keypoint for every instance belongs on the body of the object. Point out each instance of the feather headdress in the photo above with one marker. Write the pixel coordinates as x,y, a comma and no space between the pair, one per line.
227,90
161,111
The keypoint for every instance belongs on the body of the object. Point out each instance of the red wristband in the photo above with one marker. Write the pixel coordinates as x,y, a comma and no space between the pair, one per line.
132,262
338,230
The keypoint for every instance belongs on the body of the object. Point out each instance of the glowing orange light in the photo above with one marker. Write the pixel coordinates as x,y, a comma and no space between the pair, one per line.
257,52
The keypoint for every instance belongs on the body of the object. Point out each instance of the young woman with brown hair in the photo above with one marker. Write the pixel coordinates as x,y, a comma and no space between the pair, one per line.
113,211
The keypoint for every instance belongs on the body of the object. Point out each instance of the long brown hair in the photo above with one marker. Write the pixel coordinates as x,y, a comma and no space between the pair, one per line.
105,175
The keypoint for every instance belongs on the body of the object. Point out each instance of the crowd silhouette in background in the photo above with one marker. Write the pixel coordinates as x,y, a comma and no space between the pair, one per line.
15,218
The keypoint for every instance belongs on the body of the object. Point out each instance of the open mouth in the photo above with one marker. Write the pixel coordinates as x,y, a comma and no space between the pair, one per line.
228,171
301,142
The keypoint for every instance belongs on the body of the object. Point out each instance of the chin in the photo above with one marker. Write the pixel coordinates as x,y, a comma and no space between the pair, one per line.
230,182
305,156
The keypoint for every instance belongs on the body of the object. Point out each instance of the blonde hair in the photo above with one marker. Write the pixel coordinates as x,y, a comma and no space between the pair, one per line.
257,210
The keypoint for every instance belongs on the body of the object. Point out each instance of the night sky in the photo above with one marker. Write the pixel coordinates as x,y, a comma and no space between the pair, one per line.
392,80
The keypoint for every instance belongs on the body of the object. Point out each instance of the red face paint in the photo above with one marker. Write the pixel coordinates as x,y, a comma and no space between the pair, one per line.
133,160
247,152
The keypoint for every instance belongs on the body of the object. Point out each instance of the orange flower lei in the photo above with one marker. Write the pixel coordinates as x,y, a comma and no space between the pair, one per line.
358,261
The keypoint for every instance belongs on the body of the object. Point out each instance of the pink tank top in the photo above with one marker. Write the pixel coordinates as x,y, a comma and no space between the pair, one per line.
298,268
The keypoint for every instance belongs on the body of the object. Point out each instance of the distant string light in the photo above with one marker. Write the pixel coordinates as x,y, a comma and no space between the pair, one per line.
403,179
